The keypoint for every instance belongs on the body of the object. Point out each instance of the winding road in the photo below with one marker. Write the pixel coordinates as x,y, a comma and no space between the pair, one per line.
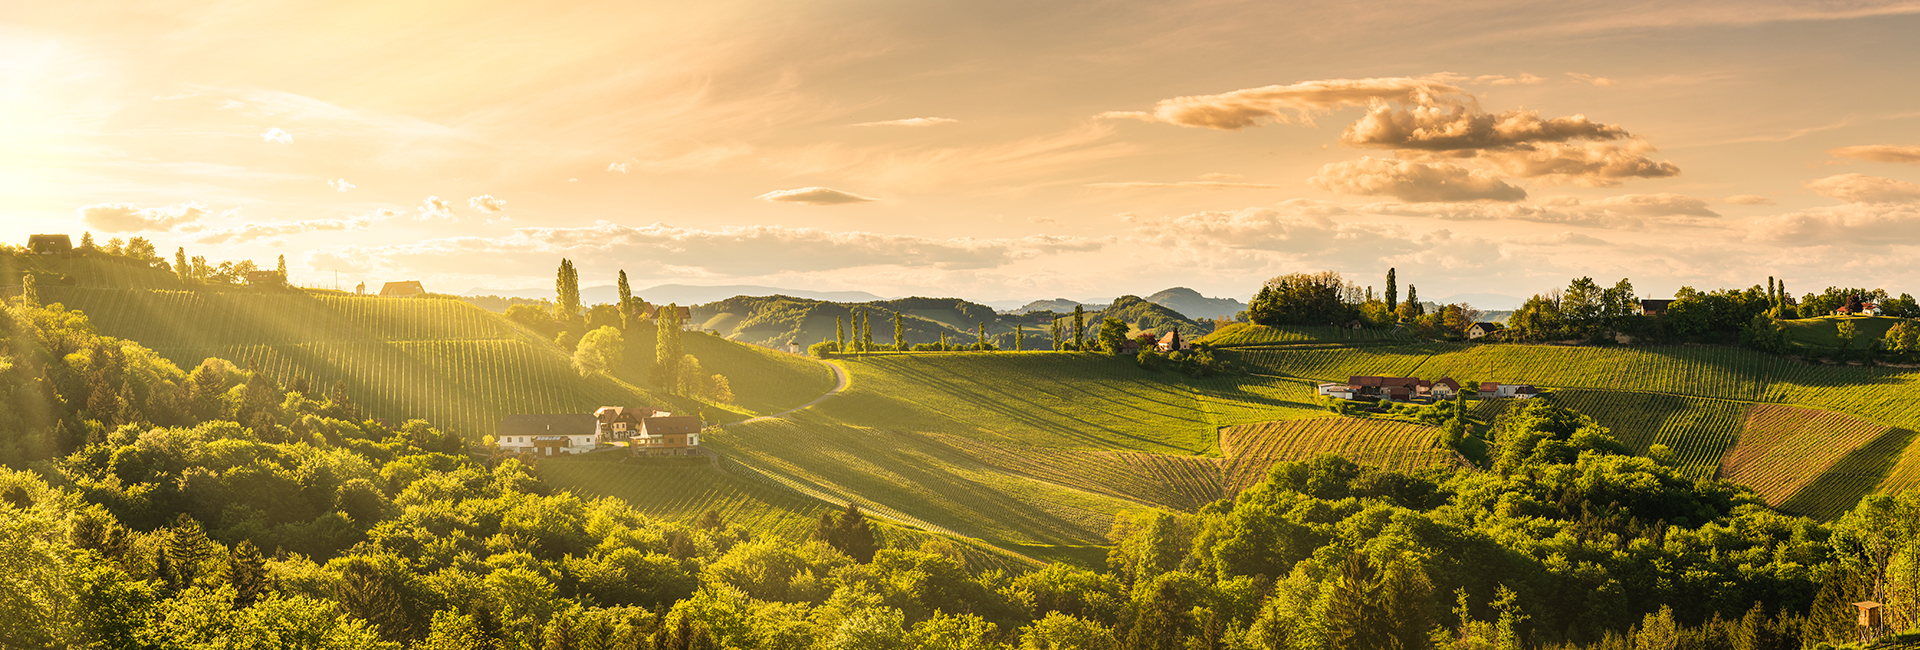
840,383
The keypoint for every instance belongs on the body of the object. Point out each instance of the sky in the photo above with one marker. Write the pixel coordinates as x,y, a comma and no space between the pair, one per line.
983,149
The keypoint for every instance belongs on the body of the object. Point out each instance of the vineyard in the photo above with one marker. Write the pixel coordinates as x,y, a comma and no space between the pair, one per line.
682,491
1386,444
1247,334
1785,450
1699,431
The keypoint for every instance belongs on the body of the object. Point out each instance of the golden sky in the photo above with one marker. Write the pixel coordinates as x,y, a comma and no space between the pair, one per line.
991,150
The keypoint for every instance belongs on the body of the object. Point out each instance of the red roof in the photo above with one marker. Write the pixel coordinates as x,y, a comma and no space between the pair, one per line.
1488,386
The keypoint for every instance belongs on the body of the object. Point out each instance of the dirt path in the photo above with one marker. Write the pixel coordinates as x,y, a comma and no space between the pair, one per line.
839,384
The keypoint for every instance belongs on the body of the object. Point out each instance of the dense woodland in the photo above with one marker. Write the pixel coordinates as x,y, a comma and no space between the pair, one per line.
150,506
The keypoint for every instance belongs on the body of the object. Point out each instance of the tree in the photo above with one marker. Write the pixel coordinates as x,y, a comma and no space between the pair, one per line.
1393,292
29,291
667,350
1055,332
1583,306
899,333
866,331
247,573
1357,614
1019,336
599,351
980,337
566,289
1843,338
1301,299
1079,327
281,269
86,241
840,333
851,534
187,551
1412,310
1113,334
626,302
180,267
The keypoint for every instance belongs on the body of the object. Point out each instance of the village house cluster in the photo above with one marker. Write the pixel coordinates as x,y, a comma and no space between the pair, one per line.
1364,388
646,432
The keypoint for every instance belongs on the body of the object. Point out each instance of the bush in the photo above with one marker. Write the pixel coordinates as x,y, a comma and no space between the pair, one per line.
823,349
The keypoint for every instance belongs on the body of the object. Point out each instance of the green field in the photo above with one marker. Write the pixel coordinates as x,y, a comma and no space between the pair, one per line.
1698,430
445,361
1824,332
1248,334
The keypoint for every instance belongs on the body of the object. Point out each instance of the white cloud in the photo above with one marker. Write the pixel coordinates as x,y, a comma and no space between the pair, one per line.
1880,153
911,121
1861,188
1589,164
123,217
1240,109
1856,225
1414,181
1044,220
256,231
1587,78
1457,125
1748,199
736,251
435,207
341,185
486,203
814,196
276,135
1503,80
619,167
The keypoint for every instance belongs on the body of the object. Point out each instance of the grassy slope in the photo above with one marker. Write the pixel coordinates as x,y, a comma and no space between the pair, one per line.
1241,334
446,361
1824,332
1388,444
1878,395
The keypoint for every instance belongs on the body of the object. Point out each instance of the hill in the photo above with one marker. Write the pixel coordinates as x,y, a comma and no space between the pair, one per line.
679,294
773,321
1191,304
1142,315
1824,332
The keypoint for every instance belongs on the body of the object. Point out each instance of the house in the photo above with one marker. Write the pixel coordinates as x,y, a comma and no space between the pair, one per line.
265,278
1655,307
1492,390
1130,346
1478,330
621,422
668,435
1338,391
1400,389
793,347
1444,388
1172,342
50,244
551,434
403,289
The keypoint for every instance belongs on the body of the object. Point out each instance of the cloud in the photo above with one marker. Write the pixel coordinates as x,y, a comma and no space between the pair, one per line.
1044,220
1204,185
1458,125
1589,164
1597,81
1624,212
1880,153
1747,199
1297,102
276,135
435,207
618,167
486,203
256,231
1414,181
1861,188
1855,225
814,196
912,121
1503,80
734,251
123,217
1638,205
341,185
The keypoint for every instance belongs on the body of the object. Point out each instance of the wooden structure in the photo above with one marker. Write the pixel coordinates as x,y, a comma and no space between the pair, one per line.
1871,627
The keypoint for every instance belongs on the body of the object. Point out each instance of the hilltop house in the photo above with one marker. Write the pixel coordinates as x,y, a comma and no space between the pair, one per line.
265,279
1478,330
402,289
1655,307
551,434
1172,342
668,435
50,244
1502,391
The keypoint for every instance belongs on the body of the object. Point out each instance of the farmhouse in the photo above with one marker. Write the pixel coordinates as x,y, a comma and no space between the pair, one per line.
1492,390
1655,307
265,278
1173,343
1478,330
50,244
551,434
668,435
616,423
402,289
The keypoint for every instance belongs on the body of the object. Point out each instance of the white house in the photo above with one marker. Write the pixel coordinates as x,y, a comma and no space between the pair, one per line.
1503,391
549,434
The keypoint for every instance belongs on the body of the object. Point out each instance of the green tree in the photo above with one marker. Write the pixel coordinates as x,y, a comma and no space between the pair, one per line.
866,331
626,302
1113,334
899,333
980,337
566,286
840,333
1393,290
187,551
1843,338
850,533
1055,332
180,267
667,349
29,291
1301,299
246,572
1019,336
600,350
1079,327
1412,310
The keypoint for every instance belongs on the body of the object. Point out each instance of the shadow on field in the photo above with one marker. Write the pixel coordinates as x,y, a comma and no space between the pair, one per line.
1851,478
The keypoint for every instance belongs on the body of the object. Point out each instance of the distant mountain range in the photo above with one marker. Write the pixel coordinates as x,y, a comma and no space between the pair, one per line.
679,294
1187,302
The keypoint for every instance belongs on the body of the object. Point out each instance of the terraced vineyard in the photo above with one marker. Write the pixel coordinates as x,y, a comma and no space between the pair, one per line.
1240,334
1698,430
1386,444
683,491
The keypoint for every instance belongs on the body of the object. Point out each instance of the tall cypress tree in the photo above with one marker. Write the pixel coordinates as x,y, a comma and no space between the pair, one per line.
566,289
247,573
282,270
1056,335
840,333
1079,327
1019,337
899,333
1393,290
981,338
626,302
180,267
667,351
